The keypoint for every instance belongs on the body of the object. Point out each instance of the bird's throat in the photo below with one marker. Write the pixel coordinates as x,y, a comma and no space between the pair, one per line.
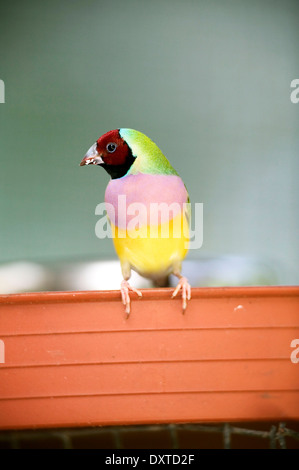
117,171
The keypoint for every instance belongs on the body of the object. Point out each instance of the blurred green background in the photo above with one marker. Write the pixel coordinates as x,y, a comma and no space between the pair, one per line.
208,81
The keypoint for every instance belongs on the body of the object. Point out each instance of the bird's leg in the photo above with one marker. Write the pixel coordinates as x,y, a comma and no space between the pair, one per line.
186,289
124,290
125,287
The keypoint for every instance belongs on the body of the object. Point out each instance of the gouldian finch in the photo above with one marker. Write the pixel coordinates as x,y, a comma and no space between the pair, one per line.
144,181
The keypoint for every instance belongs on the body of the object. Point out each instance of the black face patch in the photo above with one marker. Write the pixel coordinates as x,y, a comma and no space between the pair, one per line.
117,171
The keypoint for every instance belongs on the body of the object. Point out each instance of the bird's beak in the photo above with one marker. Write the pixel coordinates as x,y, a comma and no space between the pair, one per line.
92,157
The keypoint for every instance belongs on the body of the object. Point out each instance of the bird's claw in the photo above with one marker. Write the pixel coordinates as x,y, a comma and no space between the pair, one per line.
186,291
124,290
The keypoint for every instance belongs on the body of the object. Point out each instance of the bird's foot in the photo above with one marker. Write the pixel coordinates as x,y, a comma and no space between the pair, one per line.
186,291
124,290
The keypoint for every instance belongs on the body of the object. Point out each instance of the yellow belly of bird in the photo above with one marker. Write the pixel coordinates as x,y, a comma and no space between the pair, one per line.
153,250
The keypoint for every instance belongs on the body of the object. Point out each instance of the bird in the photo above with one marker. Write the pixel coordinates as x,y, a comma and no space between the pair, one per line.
141,177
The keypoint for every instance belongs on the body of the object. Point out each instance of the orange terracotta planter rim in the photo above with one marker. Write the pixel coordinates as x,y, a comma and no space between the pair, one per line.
148,294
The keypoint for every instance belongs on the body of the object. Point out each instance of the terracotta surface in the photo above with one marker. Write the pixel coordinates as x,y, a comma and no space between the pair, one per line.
73,359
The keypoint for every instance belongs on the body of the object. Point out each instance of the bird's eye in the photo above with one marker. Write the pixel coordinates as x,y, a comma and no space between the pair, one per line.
111,147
